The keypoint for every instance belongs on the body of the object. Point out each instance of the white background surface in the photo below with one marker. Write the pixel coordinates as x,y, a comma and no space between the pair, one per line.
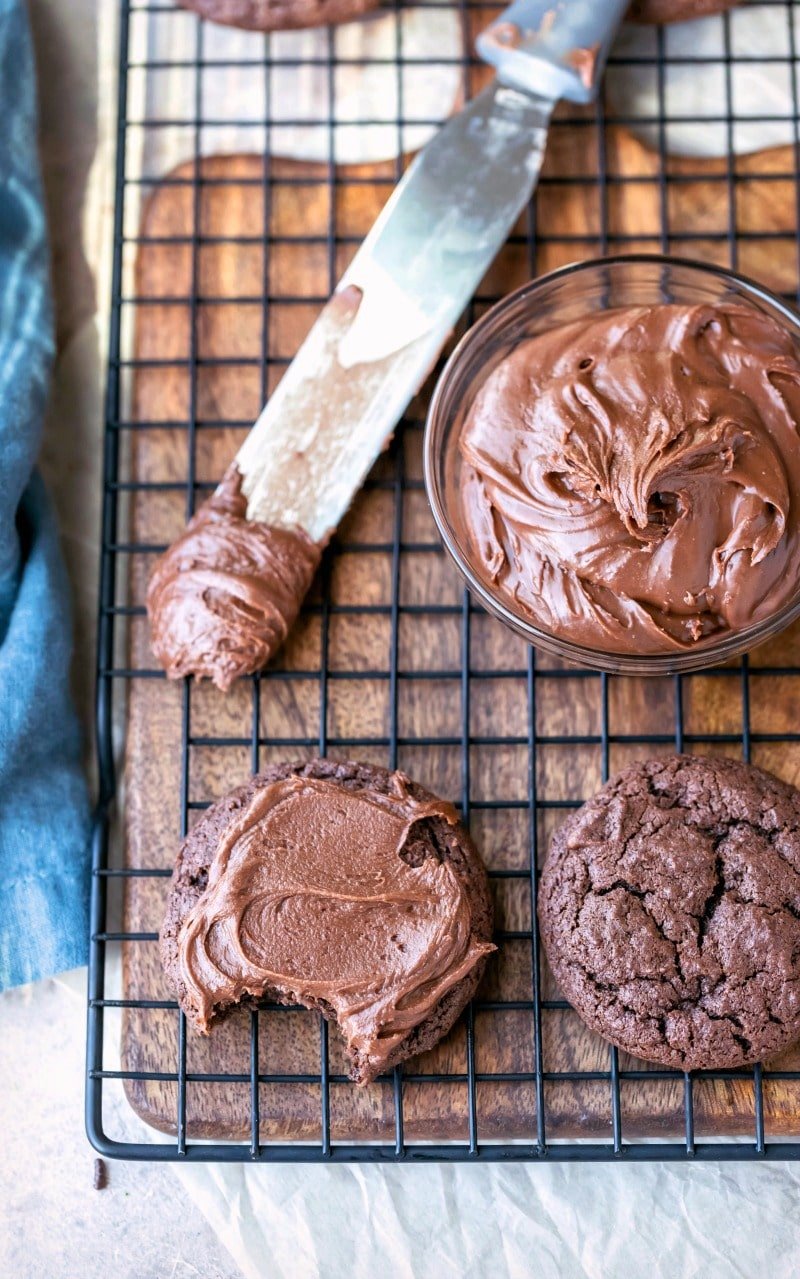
564,1221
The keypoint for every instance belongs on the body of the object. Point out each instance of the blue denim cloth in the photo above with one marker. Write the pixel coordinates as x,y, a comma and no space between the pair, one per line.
44,810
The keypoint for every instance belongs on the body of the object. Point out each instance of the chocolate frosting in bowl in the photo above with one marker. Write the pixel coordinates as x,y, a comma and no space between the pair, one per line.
224,596
631,481
316,892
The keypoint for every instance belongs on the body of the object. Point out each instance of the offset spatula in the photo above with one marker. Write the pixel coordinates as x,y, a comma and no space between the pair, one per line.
379,335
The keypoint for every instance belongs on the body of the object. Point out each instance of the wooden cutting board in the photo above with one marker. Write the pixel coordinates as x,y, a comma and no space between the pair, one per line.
176,320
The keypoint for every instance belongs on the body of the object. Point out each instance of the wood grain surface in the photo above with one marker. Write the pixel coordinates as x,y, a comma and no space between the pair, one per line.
176,320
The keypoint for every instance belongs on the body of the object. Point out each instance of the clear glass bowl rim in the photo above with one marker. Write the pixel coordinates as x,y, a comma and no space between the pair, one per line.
700,658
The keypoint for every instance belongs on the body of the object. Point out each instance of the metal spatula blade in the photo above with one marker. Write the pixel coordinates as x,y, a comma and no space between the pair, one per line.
380,334
382,331
444,223
391,315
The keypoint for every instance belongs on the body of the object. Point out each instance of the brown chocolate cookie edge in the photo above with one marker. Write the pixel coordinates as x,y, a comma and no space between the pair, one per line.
279,15
660,12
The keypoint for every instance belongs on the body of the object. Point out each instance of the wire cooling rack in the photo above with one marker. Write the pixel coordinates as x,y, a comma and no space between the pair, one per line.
503,702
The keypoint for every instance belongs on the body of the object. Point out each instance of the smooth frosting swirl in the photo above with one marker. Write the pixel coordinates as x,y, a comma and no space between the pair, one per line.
222,598
631,481
316,892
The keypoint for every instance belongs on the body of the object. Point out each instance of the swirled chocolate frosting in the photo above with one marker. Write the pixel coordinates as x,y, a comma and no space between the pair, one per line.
631,481
222,599
316,893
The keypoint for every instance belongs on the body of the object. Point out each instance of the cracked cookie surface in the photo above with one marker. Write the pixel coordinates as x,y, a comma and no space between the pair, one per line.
669,907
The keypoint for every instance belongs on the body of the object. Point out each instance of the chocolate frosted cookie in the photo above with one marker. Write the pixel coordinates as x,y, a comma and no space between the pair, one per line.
279,15
338,886
670,912
661,11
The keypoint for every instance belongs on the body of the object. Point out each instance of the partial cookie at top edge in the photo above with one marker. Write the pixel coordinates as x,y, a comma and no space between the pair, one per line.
279,15
663,11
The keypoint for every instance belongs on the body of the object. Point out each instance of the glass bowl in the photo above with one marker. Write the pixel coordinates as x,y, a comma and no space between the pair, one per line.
552,300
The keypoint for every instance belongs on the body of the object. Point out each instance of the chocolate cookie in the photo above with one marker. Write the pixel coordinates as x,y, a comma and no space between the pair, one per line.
670,912
338,886
661,11
279,15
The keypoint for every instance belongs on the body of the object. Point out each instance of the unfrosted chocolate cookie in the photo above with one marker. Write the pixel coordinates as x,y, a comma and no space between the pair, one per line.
670,912
338,886
661,11
279,15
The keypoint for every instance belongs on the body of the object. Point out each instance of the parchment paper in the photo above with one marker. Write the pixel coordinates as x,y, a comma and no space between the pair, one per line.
696,80
555,1222
695,84
302,95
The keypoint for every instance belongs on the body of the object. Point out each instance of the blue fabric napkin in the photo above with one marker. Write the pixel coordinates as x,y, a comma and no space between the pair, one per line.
44,810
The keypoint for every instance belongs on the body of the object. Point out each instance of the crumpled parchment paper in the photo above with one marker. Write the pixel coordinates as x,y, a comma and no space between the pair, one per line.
697,81
561,1221
299,97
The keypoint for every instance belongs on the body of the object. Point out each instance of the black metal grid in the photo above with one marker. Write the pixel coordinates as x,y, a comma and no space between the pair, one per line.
724,243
